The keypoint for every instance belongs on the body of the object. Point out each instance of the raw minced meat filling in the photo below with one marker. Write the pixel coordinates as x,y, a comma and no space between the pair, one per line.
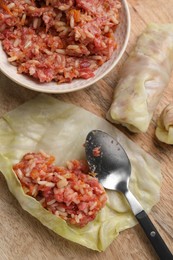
68,192
58,40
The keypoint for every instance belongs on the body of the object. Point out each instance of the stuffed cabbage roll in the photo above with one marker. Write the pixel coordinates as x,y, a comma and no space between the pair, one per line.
58,128
164,129
144,76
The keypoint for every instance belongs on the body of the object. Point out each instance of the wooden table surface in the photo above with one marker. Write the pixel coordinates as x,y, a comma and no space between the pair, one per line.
22,237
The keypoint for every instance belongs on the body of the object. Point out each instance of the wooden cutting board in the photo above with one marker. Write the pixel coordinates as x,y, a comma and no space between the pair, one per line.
22,237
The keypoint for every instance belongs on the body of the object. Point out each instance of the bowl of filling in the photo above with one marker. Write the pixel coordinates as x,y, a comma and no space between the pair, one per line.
61,46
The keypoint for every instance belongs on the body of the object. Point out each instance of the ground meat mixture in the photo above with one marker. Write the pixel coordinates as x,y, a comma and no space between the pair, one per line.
97,151
58,40
68,192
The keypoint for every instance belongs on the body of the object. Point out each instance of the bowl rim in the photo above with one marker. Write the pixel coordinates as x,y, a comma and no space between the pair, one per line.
63,91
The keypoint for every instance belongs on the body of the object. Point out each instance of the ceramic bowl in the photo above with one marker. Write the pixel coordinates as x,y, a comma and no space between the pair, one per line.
122,36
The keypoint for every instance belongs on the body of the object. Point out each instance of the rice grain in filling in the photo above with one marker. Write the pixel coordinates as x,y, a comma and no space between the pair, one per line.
58,40
68,192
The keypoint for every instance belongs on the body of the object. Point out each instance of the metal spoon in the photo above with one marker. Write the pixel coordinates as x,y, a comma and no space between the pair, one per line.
113,169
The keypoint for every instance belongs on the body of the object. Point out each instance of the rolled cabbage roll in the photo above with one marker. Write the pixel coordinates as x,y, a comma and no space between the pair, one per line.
60,129
164,129
143,79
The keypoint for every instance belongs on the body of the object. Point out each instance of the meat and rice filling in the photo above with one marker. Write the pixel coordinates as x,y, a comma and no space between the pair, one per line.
68,192
58,40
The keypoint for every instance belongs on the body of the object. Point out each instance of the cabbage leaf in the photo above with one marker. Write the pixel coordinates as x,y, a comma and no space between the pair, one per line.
60,129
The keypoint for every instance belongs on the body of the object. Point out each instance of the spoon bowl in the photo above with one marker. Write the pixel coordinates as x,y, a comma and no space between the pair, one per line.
107,158
112,166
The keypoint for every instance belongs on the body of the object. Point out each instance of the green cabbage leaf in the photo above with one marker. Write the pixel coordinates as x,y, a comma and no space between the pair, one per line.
60,129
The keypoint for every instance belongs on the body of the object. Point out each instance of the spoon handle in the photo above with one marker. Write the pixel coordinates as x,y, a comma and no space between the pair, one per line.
148,227
154,236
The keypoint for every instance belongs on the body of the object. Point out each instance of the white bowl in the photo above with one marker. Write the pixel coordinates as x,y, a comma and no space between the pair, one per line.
122,37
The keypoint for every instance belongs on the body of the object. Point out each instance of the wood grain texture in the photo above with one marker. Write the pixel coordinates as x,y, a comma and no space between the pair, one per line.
23,237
